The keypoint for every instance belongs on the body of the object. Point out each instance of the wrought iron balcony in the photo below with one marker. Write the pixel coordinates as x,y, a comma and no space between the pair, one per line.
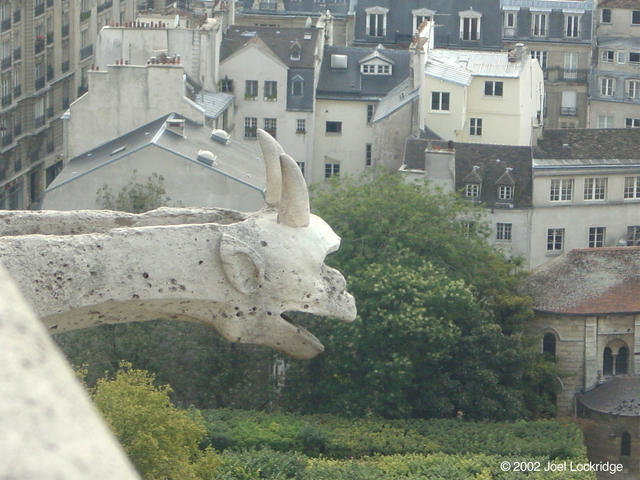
86,52
39,45
569,111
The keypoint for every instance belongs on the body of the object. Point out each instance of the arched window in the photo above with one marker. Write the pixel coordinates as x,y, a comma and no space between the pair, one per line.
622,361
549,344
607,362
625,445
297,86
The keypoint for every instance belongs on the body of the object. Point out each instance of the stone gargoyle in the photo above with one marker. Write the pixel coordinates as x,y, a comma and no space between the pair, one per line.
239,273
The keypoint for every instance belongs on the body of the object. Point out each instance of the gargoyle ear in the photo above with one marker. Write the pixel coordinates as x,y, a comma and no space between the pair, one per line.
242,265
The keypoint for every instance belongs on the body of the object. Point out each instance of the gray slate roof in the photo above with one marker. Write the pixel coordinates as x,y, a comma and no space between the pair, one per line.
397,98
619,396
234,160
213,103
493,161
350,83
593,143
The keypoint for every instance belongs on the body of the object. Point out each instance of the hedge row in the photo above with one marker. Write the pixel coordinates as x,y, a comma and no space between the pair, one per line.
268,464
339,438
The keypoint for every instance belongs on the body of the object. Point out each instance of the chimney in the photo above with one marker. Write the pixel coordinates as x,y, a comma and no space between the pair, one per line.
176,125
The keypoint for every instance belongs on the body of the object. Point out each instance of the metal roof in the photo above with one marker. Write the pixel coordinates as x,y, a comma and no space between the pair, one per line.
459,65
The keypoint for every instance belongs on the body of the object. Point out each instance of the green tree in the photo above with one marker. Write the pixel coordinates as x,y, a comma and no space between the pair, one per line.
135,197
161,440
440,324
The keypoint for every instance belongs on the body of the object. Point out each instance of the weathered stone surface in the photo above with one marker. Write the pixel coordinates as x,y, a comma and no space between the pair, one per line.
48,427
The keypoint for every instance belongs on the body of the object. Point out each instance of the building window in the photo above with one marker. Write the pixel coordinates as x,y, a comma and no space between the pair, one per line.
367,155
503,232
470,25
622,361
607,56
605,15
606,86
635,17
621,57
492,88
270,90
549,345
510,19
631,187
250,127
376,21
541,56
555,238
475,126
632,122
440,101
605,121
333,127
633,88
297,86
368,69
570,66
572,26
595,188
418,19
226,85
371,109
505,192
561,190
625,444
384,69
251,89
607,362
472,190
331,169
634,57
270,126
295,52
596,237
633,235
301,125
301,167
539,24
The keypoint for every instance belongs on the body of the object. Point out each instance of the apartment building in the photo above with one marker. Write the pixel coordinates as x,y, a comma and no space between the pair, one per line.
615,79
559,35
47,50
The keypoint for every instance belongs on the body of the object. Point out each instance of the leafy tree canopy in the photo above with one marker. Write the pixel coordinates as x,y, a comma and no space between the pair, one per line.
135,197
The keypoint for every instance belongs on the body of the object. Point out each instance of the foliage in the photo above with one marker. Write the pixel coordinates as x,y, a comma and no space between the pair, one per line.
135,197
340,438
161,440
440,325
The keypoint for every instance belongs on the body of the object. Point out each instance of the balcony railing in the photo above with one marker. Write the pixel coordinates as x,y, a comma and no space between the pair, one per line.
39,9
39,83
85,15
17,91
569,111
65,66
65,31
7,138
6,100
49,38
559,74
39,45
39,121
86,52
49,112
6,63
5,24
82,89
17,53
16,16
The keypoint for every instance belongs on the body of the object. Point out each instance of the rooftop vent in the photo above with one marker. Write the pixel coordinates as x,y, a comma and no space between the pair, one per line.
339,61
220,136
206,157
176,125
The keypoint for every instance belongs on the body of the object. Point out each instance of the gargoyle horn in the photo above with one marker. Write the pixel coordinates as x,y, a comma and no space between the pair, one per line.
271,151
294,204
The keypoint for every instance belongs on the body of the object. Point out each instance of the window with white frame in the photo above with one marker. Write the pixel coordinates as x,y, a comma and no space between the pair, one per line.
631,187
596,237
605,15
6,87
440,101
250,89
333,127
633,88
384,70
368,69
270,126
595,188
570,66
607,86
371,110
634,57
503,231
420,15
632,122
607,56
376,21
493,88
270,90
633,235
555,240
250,127
572,26
561,190
475,127
605,121
541,56
505,192
635,17
510,22
301,125
569,105
297,86
472,190
539,24
331,169
470,25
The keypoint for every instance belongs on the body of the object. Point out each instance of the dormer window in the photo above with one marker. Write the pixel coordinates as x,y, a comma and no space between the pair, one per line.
506,186
376,21
376,63
472,184
375,69
472,190
420,15
297,86
470,25
505,192
295,52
